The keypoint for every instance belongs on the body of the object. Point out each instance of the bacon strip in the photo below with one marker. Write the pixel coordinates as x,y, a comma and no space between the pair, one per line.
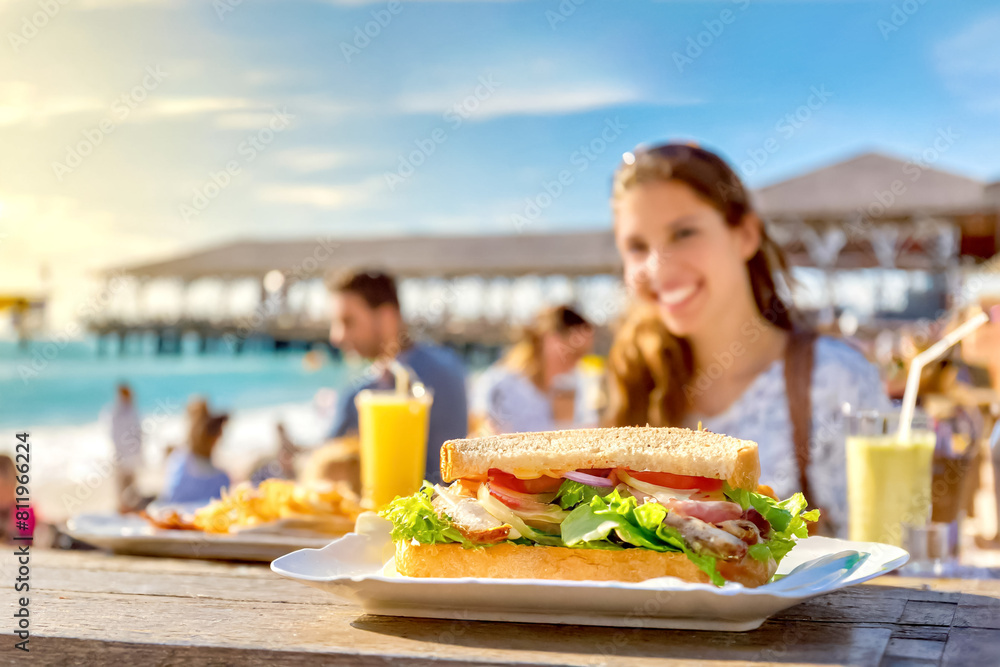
709,511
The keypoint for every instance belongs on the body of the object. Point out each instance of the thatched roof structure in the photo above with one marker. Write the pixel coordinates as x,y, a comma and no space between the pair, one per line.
577,254
825,199
855,183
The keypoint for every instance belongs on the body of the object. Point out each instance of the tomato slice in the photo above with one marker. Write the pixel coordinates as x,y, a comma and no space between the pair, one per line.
672,481
543,484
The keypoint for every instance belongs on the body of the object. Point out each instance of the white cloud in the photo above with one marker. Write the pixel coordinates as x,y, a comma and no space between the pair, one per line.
186,106
247,120
327,197
305,161
970,63
23,102
535,100
36,101
117,4
360,3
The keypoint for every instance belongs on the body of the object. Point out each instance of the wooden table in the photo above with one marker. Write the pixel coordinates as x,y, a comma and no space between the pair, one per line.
93,608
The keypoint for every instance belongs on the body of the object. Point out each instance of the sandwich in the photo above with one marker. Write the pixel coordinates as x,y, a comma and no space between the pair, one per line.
625,504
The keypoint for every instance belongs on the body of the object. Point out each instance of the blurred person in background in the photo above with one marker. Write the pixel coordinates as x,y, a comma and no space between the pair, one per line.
281,466
712,337
126,435
337,461
366,321
982,348
191,477
534,387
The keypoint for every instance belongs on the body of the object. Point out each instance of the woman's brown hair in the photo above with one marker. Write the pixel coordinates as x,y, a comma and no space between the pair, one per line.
525,356
649,367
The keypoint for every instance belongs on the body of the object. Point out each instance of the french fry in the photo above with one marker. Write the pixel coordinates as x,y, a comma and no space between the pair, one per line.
244,506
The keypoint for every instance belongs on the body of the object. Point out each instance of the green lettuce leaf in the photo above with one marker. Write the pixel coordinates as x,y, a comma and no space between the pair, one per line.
573,493
637,525
787,518
414,518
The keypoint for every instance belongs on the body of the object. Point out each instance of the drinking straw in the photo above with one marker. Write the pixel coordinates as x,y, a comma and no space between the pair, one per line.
402,375
924,358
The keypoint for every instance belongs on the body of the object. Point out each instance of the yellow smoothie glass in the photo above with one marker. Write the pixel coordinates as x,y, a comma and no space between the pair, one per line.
392,427
888,481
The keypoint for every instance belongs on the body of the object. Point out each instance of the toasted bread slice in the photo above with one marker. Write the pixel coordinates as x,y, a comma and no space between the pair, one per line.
675,450
516,561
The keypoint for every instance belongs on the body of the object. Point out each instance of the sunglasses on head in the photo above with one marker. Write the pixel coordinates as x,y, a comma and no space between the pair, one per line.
670,151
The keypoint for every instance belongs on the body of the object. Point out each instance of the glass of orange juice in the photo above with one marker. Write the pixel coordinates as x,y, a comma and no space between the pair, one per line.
392,426
888,481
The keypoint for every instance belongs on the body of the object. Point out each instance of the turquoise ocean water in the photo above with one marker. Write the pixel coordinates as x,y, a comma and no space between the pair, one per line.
53,384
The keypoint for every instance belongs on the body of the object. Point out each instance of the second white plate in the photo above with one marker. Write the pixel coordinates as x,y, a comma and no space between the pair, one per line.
134,535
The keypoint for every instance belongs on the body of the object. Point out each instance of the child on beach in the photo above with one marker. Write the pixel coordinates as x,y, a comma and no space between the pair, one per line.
191,476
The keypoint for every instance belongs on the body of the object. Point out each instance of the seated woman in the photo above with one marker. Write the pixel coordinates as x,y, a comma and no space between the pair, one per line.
191,477
713,342
533,387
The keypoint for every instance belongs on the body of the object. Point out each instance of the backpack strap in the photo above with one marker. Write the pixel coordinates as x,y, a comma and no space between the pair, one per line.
799,354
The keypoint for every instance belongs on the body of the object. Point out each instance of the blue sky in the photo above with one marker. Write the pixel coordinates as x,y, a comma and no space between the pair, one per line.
551,88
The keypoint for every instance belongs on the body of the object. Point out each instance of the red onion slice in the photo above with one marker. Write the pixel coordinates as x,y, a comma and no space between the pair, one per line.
589,480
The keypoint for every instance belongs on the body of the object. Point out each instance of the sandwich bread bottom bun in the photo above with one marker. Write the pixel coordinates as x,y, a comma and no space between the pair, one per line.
515,561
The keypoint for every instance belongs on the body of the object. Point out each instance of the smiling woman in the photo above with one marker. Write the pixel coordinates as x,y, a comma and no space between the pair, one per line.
711,340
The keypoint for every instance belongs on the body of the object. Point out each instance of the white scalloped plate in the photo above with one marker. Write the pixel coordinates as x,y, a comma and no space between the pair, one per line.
358,567
134,535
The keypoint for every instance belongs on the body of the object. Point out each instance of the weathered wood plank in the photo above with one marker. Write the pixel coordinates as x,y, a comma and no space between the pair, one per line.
99,560
923,612
978,611
989,587
162,624
913,651
843,607
92,606
227,587
972,646
69,651
931,633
